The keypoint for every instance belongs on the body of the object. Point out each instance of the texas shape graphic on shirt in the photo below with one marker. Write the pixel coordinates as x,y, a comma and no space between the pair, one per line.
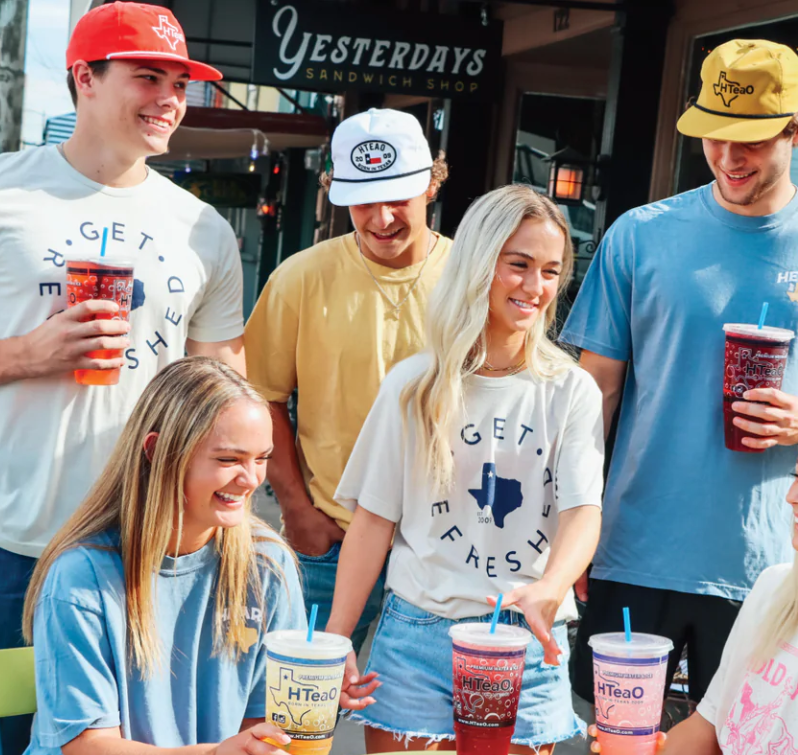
501,495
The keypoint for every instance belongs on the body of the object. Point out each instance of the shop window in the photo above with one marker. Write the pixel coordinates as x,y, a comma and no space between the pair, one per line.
692,170
549,124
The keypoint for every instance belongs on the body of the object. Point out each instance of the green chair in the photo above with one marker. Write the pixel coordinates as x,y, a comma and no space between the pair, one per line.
17,682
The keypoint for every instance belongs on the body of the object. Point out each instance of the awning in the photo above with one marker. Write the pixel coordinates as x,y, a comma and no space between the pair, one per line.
210,133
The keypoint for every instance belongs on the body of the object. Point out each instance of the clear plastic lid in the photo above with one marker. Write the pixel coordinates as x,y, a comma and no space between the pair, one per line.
479,634
110,262
641,646
294,643
753,331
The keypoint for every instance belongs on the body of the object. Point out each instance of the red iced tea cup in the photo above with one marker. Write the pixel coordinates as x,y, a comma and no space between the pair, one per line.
755,358
487,672
101,278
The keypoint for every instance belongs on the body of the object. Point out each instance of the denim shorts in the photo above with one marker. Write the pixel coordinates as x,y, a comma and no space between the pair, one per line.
412,653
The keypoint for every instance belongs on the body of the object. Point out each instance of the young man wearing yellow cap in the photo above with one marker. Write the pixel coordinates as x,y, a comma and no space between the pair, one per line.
332,321
689,524
127,70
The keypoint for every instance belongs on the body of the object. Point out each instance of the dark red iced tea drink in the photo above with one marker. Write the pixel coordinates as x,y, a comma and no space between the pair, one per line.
487,672
755,358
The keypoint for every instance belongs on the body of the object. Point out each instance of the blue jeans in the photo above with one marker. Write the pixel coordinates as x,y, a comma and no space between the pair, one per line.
318,586
16,572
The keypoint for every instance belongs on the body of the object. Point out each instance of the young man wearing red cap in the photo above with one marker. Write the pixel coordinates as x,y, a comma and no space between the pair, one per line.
332,321
128,70
688,523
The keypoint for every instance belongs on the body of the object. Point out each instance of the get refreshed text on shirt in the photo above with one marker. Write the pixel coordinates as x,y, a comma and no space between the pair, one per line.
55,435
524,451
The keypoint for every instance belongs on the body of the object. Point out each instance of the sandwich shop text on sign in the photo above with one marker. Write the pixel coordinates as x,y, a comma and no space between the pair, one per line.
327,47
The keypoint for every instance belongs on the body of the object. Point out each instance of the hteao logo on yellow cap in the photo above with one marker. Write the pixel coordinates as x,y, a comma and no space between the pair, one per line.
729,91
749,92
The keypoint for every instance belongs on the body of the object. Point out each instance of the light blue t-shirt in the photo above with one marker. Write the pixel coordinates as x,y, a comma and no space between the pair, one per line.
681,512
197,696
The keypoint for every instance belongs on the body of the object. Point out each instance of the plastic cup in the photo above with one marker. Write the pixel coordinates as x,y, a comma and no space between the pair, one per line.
101,278
303,687
629,683
754,358
487,671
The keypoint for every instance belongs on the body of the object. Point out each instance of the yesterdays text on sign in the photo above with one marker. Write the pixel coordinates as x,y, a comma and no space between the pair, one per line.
306,44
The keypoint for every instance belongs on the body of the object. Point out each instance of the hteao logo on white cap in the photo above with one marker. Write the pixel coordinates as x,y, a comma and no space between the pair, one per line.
379,156
373,157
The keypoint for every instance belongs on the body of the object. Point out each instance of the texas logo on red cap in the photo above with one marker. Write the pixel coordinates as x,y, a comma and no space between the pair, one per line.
169,32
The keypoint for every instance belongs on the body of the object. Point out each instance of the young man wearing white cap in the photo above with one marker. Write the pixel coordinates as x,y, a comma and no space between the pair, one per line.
127,69
333,319
689,524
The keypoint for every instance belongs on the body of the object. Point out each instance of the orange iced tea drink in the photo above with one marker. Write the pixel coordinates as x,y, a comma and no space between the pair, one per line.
100,278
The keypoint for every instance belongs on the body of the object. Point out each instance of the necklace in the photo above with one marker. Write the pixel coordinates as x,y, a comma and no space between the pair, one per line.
394,311
512,370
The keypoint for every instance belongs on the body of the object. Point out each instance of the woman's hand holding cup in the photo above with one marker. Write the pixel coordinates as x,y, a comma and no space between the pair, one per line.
356,690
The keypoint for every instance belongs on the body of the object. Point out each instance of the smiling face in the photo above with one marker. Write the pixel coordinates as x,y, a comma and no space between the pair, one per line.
526,279
749,174
138,104
225,470
388,229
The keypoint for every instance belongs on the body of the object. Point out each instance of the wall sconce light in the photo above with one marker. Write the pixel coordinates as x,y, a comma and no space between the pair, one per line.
567,176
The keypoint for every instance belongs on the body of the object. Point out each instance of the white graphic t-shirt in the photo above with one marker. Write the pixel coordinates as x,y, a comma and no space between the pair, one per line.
524,451
56,435
754,704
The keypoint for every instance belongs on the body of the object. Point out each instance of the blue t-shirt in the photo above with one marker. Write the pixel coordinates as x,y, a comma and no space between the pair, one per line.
681,512
197,696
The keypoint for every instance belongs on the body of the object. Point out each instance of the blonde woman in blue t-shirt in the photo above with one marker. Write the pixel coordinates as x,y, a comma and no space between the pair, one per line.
148,610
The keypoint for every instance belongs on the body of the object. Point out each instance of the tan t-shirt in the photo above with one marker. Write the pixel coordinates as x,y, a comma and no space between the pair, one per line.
322,326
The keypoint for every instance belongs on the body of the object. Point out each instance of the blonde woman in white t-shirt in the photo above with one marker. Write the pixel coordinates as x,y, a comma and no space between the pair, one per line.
481,460
751,706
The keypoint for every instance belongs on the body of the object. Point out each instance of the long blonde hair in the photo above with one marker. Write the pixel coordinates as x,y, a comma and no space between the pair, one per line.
141,499
780,622
457,321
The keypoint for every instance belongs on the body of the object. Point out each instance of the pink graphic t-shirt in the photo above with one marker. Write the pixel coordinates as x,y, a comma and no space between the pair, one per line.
754,705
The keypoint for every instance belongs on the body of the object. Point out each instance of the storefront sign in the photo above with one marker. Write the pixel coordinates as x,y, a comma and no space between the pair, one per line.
331,47
222,189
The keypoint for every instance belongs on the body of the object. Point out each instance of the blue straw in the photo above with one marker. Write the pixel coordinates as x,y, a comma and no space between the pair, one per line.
314,612
763,315
496,612
627,625
105,241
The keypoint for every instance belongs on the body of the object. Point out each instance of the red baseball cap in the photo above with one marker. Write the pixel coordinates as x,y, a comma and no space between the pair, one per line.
129,31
